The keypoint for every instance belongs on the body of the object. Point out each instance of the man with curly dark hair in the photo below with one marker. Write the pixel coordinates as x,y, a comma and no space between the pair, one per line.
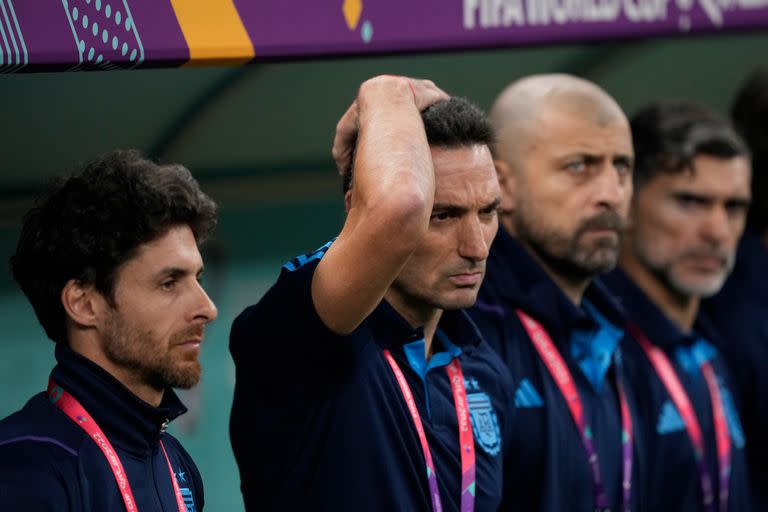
109,261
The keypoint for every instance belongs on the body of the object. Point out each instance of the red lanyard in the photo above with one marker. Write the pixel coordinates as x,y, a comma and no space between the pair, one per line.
562,377
72,408
677,393
466,439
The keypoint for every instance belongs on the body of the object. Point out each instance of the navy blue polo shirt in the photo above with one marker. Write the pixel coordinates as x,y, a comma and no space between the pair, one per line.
740,314
48,462
552,473
319,421
678,486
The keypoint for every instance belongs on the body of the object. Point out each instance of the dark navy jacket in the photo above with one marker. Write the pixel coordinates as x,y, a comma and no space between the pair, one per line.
551,472
319,422
675,483
48,463
740,314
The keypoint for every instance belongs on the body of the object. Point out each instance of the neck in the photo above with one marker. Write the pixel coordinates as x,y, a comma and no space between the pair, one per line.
573,287
505,219
418,315
127,377
680,309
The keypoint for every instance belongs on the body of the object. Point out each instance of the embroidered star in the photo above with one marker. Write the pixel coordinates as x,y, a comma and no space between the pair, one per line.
181,475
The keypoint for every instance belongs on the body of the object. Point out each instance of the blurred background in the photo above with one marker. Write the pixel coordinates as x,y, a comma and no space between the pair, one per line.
258,139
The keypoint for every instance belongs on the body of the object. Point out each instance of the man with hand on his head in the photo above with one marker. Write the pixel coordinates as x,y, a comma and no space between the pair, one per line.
361,383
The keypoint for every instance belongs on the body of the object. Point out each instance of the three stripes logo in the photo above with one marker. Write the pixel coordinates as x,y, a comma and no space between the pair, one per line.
526,396
669,419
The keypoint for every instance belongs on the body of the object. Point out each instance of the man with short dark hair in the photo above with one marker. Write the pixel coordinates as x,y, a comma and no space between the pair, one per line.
109,260
690,206
361,384
564,159
740,310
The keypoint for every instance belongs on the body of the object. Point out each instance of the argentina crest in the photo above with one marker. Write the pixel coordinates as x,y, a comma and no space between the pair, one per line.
485,424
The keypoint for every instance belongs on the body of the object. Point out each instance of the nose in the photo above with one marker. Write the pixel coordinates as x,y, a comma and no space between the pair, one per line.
717,225
474,242
205,309
613,189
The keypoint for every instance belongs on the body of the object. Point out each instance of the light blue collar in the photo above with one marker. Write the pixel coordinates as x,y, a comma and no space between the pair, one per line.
593,349
691,357
416,351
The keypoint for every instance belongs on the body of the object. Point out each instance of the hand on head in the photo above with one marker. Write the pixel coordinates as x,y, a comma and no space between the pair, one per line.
423,94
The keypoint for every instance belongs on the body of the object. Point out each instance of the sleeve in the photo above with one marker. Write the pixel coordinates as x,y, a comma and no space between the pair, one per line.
283,334
33,483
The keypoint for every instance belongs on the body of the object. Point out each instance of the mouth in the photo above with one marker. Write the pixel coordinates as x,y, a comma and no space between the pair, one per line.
602,233
711,264
467,279
191,341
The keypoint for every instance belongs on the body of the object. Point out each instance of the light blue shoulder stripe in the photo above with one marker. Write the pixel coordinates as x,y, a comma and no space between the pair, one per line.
299,261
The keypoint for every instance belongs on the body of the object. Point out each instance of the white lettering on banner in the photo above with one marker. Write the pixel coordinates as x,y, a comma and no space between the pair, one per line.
646,10
752,4
489,14
493,13
470,6
713,11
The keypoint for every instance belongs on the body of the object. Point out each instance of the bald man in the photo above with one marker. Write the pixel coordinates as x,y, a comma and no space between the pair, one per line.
564,159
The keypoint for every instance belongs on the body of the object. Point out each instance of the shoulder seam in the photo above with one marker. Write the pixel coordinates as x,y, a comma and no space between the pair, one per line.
39,439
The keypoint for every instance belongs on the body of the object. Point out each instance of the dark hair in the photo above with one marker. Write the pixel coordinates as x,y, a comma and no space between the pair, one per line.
667,136
451,124
85,226
750,116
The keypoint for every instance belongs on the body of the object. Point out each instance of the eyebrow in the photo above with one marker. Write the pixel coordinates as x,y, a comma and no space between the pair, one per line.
177,272
625,159
736,199
452,208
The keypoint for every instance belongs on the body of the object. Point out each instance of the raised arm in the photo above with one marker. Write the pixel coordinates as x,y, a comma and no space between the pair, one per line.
390,203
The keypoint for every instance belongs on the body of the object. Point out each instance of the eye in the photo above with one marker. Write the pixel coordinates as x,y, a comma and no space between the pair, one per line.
735,208
689,201
441,216
489,212
168,284
576,166
623,167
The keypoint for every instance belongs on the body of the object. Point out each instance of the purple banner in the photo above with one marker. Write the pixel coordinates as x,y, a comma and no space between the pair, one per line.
110,34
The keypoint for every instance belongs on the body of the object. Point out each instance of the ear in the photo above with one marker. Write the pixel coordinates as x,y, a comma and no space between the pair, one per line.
348,200
634,211
507,183
82,303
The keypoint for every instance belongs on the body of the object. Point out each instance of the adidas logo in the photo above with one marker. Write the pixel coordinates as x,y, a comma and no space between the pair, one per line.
526,395
669,419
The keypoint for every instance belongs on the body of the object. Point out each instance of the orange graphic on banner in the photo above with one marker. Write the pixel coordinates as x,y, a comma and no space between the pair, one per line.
352,10
214,31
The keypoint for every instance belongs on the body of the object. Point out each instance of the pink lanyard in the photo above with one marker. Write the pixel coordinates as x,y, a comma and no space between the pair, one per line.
72,408
677,393
466,439
562,377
